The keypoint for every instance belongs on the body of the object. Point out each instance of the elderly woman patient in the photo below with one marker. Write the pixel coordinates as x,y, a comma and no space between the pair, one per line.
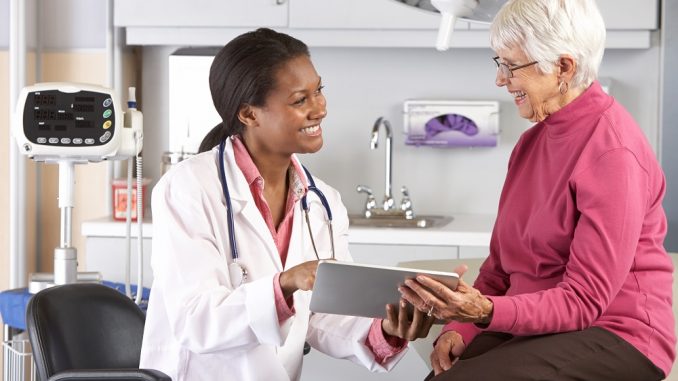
577,285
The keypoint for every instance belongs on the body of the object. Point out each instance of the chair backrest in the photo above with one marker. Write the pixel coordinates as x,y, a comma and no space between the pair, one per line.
83,326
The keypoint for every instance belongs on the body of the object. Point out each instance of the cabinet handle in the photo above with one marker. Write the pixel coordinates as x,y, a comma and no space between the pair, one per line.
280,2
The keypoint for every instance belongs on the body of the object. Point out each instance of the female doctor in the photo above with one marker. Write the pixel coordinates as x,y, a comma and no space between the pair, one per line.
234,252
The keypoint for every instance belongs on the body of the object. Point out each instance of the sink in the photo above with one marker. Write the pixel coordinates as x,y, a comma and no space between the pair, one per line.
422,222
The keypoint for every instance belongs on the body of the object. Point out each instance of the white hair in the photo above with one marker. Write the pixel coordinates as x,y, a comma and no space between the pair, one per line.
547,29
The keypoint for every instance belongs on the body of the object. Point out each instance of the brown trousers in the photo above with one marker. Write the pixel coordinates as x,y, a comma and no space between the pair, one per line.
589,355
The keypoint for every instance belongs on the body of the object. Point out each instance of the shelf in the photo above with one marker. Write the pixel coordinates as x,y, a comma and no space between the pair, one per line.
360,38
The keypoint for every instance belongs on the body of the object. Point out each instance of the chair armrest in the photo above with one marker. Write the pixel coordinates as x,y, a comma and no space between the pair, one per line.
110,374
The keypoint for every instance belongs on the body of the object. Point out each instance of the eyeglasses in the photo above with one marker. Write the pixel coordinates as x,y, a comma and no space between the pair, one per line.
506,70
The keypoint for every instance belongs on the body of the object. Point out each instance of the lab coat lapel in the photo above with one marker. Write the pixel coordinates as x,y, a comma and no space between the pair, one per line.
297,249
300,249
245,210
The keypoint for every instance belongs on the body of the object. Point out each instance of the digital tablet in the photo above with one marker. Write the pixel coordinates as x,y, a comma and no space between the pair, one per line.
354,289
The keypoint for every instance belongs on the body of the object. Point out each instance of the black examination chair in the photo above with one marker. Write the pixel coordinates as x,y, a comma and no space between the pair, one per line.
86,331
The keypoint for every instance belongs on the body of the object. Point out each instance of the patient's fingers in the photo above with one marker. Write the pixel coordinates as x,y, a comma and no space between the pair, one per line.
412,297
424,299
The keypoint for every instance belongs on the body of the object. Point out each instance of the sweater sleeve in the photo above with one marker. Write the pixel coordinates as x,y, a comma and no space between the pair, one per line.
611,197
491,280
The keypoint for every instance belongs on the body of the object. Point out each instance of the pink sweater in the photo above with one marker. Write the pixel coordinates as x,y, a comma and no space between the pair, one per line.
578,240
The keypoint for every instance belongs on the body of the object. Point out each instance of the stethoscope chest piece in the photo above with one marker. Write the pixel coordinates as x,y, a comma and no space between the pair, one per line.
237,273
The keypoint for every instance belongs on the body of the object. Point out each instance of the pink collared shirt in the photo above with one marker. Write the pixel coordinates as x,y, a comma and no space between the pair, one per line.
383,348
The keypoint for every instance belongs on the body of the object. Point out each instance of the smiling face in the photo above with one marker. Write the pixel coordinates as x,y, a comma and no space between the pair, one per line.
535,93
289,122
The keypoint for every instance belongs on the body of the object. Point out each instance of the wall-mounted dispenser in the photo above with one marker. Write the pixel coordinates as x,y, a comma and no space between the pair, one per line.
446,124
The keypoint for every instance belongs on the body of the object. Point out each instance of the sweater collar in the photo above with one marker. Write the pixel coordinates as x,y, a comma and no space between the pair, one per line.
593,101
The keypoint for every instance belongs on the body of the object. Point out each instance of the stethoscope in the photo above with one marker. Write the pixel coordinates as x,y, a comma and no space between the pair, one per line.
237,272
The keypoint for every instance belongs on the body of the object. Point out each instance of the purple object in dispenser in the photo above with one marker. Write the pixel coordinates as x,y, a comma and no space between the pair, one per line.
450,122
461,123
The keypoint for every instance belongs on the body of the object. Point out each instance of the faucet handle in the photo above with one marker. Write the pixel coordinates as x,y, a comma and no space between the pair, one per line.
364,189
406,203
371,202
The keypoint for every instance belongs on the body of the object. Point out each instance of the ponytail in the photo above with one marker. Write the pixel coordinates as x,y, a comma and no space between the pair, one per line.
213,138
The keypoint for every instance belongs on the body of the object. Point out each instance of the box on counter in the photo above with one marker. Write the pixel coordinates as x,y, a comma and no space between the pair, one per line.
120,198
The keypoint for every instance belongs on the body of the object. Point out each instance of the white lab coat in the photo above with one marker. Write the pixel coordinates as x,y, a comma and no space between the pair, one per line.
198,326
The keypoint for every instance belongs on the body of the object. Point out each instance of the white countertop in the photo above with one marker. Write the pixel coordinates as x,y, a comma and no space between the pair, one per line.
463,230
108,227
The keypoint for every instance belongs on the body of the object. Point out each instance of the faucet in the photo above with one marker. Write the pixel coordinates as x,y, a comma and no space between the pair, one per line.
371,203
388,196
387,208
406,203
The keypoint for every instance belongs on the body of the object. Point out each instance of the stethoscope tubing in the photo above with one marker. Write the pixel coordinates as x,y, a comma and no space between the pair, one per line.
229,207
321,196
304,204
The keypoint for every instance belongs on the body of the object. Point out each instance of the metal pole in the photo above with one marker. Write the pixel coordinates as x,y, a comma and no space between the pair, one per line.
110,58
17,163
38,167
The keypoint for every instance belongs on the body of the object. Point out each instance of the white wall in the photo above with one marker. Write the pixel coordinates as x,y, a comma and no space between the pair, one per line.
363,84
669,132
66,24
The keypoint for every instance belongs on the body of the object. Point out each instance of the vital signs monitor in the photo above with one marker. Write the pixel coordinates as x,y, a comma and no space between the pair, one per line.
63,120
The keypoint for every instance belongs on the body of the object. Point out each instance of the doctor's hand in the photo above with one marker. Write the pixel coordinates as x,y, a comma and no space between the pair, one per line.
299,277
398,323
447,350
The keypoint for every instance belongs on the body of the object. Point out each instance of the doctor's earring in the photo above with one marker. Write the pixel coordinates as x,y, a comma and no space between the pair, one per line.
563,87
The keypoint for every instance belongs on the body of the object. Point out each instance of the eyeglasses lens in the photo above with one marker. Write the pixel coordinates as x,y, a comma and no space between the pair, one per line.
502,68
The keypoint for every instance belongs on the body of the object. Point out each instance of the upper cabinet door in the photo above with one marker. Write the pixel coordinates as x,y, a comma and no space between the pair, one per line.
630,14
350,23
201,13
362,14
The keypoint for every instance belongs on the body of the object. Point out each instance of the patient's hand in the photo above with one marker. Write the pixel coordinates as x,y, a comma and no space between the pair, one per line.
398,323
464,304
448,348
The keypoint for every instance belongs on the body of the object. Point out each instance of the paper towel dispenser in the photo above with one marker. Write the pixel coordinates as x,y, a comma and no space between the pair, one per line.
448,123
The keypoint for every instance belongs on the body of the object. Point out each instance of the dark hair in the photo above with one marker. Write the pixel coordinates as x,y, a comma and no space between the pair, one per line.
243,72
